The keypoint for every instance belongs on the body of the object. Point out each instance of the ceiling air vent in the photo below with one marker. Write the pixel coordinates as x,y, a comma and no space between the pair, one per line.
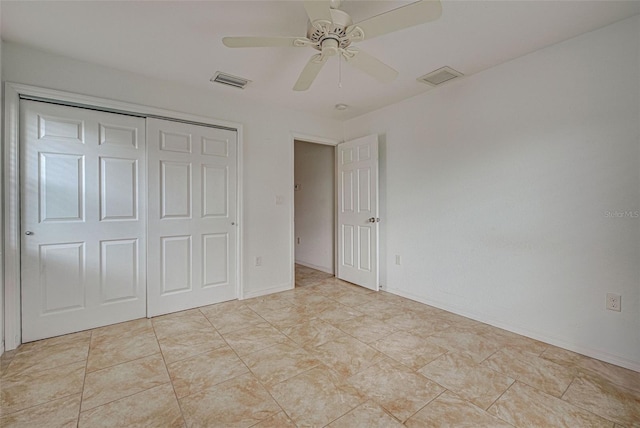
229,80
440,76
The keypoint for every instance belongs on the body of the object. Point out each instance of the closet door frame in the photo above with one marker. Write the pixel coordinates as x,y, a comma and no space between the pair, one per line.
13,93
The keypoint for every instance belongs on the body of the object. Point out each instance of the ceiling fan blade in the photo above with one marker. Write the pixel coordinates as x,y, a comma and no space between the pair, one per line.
263,42
310,72
407,16
371,65
318,10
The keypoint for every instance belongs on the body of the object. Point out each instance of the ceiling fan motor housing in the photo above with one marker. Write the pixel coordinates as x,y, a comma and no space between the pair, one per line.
320,32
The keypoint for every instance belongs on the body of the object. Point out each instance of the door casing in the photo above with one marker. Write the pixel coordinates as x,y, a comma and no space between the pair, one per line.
13,92
316,140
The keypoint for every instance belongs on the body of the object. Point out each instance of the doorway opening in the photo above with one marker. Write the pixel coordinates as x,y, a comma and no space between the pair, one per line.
314,212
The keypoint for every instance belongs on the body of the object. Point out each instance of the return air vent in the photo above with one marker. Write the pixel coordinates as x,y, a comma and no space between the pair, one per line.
440,76
229,80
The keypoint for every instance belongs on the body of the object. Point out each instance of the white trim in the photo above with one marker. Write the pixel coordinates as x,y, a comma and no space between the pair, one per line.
12,94
277,289
537,335
11,218
316,267
314,139
115,106
239,215
292,211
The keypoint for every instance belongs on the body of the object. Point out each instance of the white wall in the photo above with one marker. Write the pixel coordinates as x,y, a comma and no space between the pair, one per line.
315,205
268,154
1,210
497,188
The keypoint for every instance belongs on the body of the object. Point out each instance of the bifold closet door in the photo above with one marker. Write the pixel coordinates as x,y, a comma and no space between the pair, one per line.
192,224
83,211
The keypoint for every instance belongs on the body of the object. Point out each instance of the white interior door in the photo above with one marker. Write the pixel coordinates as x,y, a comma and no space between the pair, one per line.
358,211
192,216
83,219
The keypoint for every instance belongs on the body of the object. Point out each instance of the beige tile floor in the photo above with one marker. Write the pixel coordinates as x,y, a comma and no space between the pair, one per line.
325,354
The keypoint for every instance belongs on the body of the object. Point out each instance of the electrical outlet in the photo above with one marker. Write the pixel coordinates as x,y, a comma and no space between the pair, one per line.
279,200
397,259
259,261
614,302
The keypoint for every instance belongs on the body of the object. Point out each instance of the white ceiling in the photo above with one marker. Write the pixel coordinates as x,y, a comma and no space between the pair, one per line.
181,41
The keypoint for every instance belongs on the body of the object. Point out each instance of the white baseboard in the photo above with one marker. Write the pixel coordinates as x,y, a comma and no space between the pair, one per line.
316,267
265,291
537,335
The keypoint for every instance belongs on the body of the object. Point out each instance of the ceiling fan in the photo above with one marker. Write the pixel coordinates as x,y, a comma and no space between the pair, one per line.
331,31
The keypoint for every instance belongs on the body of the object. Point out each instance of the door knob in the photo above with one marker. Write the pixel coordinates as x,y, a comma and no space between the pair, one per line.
28,232
372,220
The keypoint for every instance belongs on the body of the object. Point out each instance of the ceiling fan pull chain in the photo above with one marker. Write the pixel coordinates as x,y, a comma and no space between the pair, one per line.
340,71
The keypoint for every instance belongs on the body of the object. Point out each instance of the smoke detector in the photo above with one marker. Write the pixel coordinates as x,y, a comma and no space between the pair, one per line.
440,76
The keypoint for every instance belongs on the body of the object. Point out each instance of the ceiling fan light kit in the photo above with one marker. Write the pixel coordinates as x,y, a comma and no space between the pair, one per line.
331,32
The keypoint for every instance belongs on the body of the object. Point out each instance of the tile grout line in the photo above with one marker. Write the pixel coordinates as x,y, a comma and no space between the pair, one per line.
137,358
348,411
184,421
119,364
249,370
127,396
42,404
259,381
84,379
543,351
115,365
579,406
500,396
429,402
496,400
35,369
39,404
516,377
278,383
54,399
192,355
568,386
388,413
